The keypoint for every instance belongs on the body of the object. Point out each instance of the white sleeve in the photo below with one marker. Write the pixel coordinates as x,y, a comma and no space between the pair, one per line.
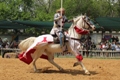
56,17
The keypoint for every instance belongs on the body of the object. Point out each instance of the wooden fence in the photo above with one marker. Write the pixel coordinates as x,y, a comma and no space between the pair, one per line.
101,54
85,53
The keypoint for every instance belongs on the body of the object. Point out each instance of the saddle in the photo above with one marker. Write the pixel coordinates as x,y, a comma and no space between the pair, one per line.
56,39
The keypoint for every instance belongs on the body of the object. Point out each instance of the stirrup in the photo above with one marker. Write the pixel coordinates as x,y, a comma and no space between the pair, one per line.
66,49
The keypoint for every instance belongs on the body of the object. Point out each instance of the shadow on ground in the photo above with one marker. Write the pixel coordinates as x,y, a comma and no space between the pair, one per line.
66,71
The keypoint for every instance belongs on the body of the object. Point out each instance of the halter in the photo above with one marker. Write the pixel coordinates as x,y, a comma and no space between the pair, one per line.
85,22
82,30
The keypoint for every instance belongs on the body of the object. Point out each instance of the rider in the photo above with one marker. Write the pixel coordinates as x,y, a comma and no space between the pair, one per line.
59,20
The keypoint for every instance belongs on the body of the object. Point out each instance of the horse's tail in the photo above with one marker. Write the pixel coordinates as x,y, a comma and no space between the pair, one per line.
25,44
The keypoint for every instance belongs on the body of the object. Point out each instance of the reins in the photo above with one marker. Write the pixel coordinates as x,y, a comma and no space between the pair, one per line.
86,22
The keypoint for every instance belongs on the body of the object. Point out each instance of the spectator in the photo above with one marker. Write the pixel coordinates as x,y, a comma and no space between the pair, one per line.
14,44
5,43
104,46
113,46
1,43
88,37
109,47
117,47
88,46
117,39
107,43
93,46
113,38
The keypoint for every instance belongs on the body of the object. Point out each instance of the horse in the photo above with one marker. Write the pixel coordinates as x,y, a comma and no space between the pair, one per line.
34,47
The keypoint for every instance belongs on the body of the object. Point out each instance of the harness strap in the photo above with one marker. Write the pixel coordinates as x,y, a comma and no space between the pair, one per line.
86,22
75,39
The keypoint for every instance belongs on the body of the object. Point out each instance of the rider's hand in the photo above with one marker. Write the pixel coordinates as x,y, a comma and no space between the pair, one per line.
60,17
70,21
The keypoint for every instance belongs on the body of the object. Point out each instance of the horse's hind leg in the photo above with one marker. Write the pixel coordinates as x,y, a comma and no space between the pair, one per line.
50,59
34,65
56,65
35,57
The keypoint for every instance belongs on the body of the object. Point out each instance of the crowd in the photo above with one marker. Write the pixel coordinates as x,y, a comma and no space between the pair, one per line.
110,44
105,44
86,43
5,43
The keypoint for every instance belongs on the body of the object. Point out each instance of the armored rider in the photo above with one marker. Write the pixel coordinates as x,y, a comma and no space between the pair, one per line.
59,20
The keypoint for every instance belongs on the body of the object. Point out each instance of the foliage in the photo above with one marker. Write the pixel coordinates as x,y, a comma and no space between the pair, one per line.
43,10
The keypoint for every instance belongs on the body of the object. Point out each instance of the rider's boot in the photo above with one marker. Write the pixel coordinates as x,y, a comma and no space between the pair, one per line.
62,42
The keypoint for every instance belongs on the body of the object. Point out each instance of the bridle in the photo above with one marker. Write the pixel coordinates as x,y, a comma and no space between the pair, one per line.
87,22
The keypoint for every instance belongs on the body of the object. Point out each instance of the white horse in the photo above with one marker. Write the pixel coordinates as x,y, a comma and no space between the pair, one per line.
36,46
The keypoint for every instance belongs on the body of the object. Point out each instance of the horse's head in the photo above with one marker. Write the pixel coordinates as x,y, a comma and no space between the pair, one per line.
83,22
82,25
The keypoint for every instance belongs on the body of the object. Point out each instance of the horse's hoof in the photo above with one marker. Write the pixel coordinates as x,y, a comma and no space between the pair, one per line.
61,69
37,71
87,73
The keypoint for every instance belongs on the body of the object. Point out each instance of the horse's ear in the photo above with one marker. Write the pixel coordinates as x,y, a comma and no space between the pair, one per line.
85,14
73,20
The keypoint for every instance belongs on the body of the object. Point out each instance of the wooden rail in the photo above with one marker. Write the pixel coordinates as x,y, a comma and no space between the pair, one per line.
85,53
7,50
100,53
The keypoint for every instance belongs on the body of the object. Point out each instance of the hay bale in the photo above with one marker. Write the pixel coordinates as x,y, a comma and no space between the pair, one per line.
11,55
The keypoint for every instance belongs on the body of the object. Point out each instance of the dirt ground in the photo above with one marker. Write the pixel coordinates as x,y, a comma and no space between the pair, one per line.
100,69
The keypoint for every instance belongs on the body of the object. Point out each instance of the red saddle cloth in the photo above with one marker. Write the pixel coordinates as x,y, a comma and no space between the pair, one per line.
28,58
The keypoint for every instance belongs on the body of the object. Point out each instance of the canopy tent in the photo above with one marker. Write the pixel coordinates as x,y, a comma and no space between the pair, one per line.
39,24
9,25
109,23
43,24
19,24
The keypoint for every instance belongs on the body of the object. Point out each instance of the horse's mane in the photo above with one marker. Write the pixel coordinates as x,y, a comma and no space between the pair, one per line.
76,17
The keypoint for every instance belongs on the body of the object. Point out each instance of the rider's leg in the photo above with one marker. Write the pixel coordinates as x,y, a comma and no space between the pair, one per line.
61,38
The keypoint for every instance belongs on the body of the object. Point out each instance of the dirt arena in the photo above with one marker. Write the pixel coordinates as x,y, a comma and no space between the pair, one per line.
101,69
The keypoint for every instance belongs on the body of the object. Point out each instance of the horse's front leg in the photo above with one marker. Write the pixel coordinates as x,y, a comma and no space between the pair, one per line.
75,46
83,67
80,58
